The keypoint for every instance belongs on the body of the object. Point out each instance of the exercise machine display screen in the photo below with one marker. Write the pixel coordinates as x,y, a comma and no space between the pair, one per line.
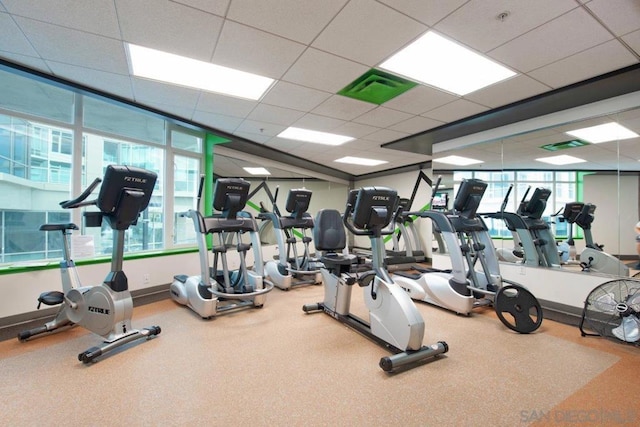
468,197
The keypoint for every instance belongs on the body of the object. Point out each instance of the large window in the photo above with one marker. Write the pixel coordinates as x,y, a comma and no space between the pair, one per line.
46,156
563,186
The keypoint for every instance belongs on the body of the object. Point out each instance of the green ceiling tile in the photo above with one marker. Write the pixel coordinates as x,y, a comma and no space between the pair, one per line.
377,87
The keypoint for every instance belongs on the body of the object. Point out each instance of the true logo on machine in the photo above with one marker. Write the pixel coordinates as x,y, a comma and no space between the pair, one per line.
135,179
98,310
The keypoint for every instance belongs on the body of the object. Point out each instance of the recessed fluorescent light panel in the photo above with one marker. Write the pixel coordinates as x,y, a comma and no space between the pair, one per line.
257,171
458,161
179,70
603,133
439,62
314,136
360,161
560,160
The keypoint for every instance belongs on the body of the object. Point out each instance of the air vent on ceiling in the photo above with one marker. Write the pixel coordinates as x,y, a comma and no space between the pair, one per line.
377,87
564,145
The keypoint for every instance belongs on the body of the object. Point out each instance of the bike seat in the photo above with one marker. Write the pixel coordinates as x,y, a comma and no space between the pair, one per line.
50,298
58,227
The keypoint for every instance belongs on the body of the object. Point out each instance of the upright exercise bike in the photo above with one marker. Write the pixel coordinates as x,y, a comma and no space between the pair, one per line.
291,269
104,309
593,257
394,321
218,290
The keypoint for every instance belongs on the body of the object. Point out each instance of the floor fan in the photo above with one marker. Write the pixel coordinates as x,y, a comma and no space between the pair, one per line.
612,310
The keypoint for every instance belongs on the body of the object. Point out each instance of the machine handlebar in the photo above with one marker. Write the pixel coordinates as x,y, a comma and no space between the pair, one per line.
80,200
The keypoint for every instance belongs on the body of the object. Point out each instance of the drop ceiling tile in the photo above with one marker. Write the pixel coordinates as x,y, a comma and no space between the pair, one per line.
270,55
633,40
455,110
226,105
173,28
251,136
323,71
476,24
218,7
27,61
300,21
416,124
115,84
148,92
89,50
275,115
589,63
296,97
217,121
620,16
341,107
285,145
319,123
12,39
577,30
505,92
264,129
367,32
355,130
420,99
382,117
385,135
97,16
425,11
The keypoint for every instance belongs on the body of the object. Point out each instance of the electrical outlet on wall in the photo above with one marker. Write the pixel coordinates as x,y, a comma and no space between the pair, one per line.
146,278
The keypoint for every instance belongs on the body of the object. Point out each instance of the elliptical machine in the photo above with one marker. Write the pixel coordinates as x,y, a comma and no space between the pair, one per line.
104,309
290,269
592,257
218,290
466,286
394,321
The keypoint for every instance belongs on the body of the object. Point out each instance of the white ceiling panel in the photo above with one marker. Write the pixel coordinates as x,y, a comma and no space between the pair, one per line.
296,97
584,65
477,25
170,27
319,123
297,20
633,40
271,56
416,124
511,90
568,34
96,16
426,11
382,117
89,50
116,84
150,92
228,106
420,99
265,130
380,31
323,71
217,121
11,38
218,7
620,16
275,115
455,110
341,107
314,49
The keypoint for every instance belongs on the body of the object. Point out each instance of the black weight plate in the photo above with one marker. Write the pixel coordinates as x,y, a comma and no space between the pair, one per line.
523,309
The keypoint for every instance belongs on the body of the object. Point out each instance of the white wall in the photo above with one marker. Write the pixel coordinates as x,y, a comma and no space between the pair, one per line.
616,200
